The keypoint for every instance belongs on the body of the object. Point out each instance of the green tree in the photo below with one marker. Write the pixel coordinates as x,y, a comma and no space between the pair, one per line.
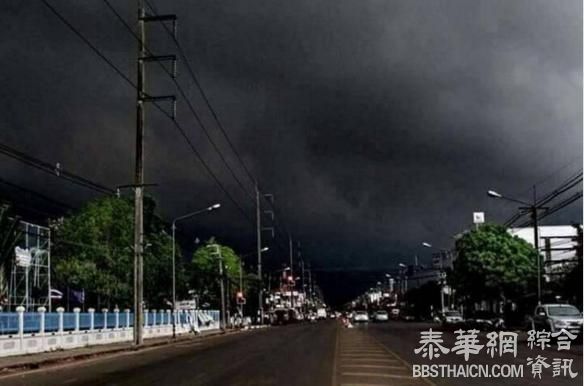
93,250
204,273
491,264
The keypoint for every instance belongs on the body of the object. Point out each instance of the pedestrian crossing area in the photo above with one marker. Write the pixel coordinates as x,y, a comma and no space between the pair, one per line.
363,361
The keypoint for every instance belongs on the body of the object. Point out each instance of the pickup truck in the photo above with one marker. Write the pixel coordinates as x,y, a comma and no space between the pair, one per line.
554,317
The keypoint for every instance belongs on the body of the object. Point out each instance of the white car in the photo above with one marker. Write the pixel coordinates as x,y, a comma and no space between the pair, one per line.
360,317
554,317
381,316
452,318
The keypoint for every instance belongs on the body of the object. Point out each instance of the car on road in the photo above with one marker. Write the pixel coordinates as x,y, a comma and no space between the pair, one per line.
554,317
452,318
395,313
381,316
485,321
321,313
279,317
360,317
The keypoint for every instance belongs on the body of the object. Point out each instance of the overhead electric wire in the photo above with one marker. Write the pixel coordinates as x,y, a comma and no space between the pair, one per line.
131,83
572,181
183,94
203,94
41,196
53,169
195,79
555,208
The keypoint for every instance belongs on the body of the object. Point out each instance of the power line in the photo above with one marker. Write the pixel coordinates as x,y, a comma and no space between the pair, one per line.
35,194
574,180
211,109
165,113
183,94
53,169
555,208
203,94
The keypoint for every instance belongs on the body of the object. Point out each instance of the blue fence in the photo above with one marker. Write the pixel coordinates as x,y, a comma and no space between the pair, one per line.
32,320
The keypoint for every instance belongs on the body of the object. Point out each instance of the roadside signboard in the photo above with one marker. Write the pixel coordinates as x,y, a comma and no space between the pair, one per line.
186,305
478,217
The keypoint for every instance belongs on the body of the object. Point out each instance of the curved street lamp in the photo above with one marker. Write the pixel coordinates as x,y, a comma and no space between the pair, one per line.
177,219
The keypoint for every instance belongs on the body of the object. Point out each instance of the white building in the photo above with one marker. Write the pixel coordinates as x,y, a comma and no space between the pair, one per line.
557,244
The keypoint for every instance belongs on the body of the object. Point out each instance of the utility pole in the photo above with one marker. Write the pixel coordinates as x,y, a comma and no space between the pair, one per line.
216,253
534,216
141,97
259,251
138,189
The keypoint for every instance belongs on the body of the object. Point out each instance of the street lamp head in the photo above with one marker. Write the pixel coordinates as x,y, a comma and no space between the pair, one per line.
427,245
402,265
215,206
492,193
387,275
264,249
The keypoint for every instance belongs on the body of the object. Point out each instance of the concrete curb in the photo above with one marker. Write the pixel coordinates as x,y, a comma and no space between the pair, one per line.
44,362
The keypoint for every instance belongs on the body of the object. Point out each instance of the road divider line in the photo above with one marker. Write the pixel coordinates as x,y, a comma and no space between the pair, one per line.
407,364
374,375
365,366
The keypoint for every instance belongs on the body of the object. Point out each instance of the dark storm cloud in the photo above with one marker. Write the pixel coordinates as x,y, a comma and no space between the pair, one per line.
376,124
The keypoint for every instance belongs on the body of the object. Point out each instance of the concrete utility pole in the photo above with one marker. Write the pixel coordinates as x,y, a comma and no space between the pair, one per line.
534,216
141,97
216,253
259,251
139,183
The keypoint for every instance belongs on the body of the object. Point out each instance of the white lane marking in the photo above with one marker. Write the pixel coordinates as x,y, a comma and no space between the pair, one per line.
363,384
370,360
374,375
365,366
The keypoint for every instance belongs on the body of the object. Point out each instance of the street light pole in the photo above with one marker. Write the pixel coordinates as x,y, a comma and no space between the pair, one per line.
291,283
186,216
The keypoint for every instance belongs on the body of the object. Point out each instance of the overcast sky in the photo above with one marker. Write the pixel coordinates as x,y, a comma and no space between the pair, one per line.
376,124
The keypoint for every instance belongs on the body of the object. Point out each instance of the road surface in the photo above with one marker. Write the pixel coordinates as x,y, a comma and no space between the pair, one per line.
321,354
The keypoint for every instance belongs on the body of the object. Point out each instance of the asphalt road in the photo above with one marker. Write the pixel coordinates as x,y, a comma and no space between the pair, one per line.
290,355
322,354
403,338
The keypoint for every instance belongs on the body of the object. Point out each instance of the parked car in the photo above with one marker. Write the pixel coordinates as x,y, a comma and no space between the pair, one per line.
395,313
554,317
360,317
485,321
381,316
452,318
280,316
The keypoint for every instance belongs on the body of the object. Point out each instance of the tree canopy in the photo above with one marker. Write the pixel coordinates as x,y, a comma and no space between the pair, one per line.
93,251
492,264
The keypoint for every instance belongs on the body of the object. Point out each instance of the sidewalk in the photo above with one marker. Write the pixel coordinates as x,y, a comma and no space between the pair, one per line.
34,361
